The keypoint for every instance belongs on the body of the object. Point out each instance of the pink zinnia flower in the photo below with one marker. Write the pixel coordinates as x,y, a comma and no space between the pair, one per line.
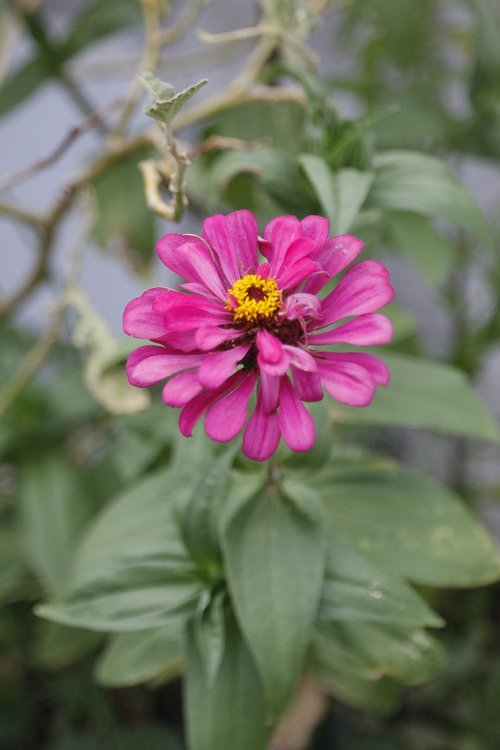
245,323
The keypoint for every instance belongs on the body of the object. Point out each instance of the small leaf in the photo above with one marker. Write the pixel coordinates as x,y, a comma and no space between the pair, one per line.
140,656
341,193
209,631
426,394
167,102
275,560
198,523
231,712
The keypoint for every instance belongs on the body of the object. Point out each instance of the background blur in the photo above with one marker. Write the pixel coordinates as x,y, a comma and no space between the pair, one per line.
428,74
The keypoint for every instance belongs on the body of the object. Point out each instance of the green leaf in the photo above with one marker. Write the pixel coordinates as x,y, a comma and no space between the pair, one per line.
140,656
198,523
407,523
414,235
231,712
22,83
410,181
166,101
425,394
54,510
209,631
131,572
357,590
123,215
340,193
57,646
98,20
411,656
275,560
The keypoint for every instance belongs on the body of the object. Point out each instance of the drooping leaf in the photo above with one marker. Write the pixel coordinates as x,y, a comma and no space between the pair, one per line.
407,523
143,655
231,712
131,572
426,394
275,558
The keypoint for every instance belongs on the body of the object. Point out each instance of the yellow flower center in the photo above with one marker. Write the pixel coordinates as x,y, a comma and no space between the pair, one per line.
253,297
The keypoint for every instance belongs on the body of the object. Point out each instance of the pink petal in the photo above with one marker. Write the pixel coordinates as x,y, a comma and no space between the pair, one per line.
336,255
307,385
269,391
300,358
199,266
262,434
364,288
181,389
290,277
375,366
281,232
296,424
150,364
195,408
208,337
272,357
348,382
166,248
365,330
301,305
141,320
302,247
184,311
234,240
218,366
317,228
183,340
227,416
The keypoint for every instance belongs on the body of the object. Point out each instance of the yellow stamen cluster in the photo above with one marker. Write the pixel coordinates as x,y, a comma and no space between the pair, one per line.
253,297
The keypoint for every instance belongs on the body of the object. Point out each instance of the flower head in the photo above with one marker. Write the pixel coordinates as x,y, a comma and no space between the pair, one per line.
246,323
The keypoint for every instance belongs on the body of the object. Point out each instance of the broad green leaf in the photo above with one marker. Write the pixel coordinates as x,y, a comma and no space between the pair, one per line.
414,235
166,101
407,523
140,656
145,603
230,713
54,510
122,213
341,193
275,560
357,590
209,631
130,571
426,394
411,181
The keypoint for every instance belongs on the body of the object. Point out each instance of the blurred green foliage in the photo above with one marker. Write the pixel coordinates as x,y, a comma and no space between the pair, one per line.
119,531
